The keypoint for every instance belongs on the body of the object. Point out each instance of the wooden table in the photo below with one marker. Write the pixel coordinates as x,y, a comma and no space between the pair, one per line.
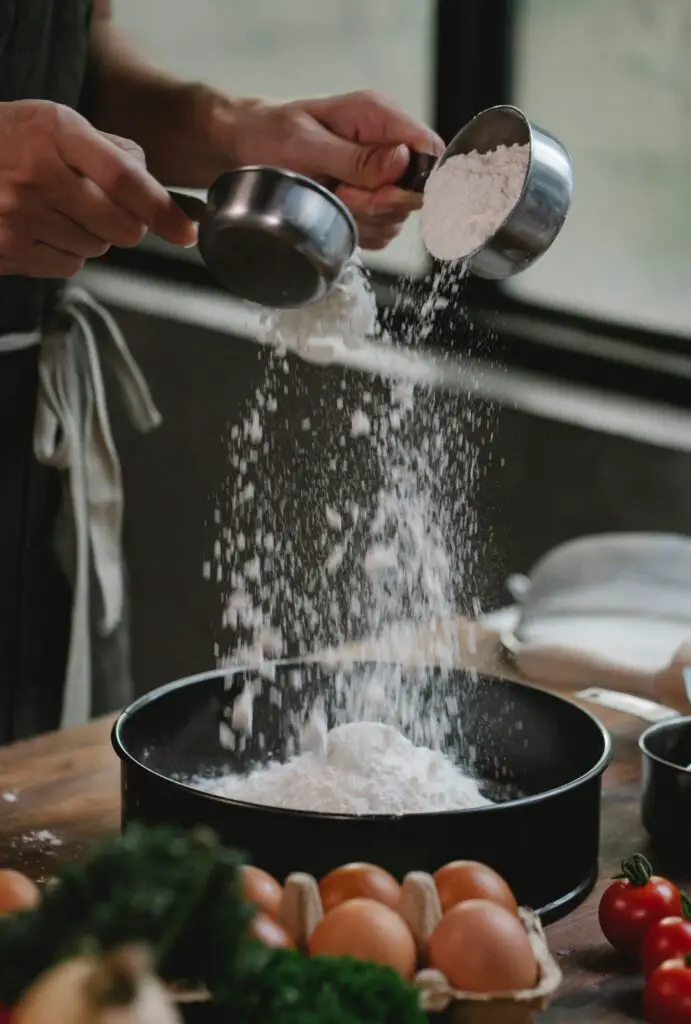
61,791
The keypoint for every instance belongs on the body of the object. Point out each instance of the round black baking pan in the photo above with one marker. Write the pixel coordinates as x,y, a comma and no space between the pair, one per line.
540,757
666,799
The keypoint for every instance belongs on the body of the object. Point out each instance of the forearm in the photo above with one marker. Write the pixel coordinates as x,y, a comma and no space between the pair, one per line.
185,129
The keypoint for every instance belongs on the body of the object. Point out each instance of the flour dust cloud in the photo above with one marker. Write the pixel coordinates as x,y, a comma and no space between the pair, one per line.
348,510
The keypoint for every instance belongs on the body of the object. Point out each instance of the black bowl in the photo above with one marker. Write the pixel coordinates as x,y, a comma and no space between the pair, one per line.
539,756
666,752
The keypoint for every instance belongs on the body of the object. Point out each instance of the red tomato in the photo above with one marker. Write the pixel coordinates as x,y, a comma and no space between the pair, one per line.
667,997
635,902
5,1015
669,939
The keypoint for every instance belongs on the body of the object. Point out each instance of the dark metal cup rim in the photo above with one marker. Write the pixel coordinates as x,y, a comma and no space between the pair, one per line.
653,730
298,179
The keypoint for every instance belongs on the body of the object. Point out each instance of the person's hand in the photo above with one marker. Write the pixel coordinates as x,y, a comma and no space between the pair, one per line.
69,192
361,140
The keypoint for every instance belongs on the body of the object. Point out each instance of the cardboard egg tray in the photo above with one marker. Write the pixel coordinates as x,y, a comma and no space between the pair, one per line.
301,910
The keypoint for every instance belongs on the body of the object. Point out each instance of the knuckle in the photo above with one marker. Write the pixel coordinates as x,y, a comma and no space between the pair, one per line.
294,121
371,98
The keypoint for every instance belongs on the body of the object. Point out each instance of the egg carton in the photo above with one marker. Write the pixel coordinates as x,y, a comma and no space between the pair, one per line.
301,910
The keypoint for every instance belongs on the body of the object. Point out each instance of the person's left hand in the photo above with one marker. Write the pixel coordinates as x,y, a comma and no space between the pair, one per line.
361,140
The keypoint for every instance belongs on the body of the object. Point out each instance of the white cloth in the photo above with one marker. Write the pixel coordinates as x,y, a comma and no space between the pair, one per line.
72,433
18,341
610,610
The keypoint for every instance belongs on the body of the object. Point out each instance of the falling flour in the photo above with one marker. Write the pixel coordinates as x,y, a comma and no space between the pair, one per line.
333,527
360,768
469,197
345,318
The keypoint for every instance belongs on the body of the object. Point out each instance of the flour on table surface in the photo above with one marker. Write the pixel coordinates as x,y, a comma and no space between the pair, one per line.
357,768
468,198
39,837
10,796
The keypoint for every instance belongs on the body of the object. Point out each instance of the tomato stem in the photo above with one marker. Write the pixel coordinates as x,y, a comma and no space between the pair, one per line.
685,906
636,869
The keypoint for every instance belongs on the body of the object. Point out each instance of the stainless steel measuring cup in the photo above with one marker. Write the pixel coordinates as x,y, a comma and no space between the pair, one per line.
540,210
277,238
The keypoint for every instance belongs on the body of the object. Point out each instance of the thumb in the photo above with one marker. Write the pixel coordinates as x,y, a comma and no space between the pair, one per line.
371,167
350,163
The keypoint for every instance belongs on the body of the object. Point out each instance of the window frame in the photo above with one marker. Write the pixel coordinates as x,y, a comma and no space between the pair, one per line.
473,69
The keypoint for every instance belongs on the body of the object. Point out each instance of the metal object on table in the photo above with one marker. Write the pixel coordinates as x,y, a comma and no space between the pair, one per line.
541,209
540,757
666,795
281,240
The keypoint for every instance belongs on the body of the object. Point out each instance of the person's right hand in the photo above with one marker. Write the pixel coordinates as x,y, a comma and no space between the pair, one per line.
68,192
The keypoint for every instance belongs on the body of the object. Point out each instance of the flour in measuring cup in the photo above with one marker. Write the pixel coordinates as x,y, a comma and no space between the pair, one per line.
468,198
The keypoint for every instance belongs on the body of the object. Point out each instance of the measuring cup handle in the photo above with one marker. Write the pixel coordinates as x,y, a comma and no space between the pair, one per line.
191,206
417,172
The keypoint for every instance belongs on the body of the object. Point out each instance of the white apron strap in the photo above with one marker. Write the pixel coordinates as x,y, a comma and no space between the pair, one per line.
72,433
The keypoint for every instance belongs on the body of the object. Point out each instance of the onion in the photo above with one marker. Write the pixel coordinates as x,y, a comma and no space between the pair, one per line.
118,988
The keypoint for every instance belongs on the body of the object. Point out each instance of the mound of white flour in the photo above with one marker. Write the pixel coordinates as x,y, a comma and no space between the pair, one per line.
468,198
357,768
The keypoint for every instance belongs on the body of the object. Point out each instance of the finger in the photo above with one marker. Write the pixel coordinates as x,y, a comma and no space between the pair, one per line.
39,260
48,261
384,201
123,179
377,239
83,202
59,232
128,146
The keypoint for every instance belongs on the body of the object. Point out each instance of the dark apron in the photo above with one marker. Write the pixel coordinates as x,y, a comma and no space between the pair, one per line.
43,55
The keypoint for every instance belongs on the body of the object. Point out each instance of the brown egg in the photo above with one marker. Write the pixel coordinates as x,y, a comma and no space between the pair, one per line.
482,947
270,933
262,889
17,892
366,930
469,880
359,881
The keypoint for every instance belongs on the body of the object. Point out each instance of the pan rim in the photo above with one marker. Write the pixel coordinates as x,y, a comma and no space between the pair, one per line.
126,756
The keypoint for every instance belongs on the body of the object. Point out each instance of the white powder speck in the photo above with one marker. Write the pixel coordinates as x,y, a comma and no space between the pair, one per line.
357,768
334,519
380,558
468,198
241,718
360,423
10,796
335,559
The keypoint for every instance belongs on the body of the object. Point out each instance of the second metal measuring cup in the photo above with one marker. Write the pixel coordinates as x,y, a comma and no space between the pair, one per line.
277,238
